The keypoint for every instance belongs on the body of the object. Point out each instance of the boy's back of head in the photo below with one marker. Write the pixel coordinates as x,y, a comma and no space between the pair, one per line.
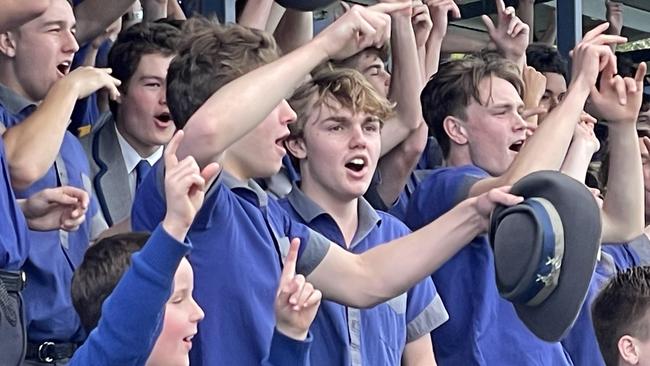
103,265
620,317
210,55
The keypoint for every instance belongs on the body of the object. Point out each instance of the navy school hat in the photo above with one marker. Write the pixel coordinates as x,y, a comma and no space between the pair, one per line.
545,251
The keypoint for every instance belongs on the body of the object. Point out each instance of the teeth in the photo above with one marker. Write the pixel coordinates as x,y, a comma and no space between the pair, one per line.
357,161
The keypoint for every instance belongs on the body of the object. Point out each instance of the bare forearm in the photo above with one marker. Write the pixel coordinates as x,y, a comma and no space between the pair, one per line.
526,12
17,12
295,29
576,162
93,17
397,165
388,270
419,352
154,9
33,144
623,208
174,10
241,105
406,83
433,48
256,14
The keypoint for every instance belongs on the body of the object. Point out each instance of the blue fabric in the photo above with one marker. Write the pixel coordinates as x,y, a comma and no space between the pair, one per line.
581,342
288,352
49,267
13,231
236,265
141,171
383,328
129,325
483,328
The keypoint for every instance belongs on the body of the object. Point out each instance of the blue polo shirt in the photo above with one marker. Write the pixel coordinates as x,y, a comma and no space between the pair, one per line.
581,342
240,237
13,231
55,254
483,328
375,336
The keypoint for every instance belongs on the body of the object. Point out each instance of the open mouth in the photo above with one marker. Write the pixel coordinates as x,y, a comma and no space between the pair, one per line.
356,164
516,147
164,117
63,67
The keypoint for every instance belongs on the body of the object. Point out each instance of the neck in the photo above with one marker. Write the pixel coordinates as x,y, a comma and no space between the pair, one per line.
344,212
143,150
458,156
234,169
8,79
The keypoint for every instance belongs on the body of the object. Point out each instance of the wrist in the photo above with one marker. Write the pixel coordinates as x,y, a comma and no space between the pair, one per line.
175,228
292,332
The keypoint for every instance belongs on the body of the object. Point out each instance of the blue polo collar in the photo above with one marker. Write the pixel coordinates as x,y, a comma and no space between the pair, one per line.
308,210
12,101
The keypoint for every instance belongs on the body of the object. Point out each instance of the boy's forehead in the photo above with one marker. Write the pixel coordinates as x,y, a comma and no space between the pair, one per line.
59,11
494,90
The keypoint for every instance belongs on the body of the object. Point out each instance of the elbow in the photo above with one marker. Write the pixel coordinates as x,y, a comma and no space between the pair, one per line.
24,175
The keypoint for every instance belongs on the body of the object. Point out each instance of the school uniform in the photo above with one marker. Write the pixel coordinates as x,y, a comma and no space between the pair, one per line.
581,342
53,255
483,328
375,336
240,237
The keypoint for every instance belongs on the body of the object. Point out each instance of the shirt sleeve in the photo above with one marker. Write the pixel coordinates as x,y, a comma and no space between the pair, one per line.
424,310
286,351
640,247
129,325
313,245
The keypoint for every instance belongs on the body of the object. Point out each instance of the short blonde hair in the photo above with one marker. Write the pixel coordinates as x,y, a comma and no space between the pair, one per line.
344,86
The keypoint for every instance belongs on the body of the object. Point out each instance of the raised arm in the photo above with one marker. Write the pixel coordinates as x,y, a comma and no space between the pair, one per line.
235,109
546,149
405,84
510,34
17,12
296,28
618,101
94,16
256,14
385,271
439,11
33,144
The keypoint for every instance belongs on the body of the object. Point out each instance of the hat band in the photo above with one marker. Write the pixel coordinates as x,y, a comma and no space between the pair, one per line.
547,274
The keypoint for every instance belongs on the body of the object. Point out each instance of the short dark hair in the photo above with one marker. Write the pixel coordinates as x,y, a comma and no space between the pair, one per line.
103,265
451,89
619,310
138,40
545,58
210,55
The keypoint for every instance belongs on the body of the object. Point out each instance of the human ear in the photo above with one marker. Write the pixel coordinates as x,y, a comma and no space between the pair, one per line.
296,146
627,349
8,44
455,130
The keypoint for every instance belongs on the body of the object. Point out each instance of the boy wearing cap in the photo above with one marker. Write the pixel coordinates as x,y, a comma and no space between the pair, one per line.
481,132
620,318
336,141
241,121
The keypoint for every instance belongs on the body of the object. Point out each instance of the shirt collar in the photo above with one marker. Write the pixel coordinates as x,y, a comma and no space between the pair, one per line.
309,210
12,101
249,185
131,157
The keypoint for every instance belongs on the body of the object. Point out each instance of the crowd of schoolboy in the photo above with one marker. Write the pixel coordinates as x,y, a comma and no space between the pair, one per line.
179,191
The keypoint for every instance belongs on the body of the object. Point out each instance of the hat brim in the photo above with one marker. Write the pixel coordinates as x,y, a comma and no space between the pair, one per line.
581,222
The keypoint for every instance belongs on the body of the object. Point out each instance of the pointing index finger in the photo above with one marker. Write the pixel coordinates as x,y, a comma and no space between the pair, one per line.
289,270
170,151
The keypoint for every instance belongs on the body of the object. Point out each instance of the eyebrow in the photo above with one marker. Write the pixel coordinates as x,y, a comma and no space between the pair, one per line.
60,23
145,77
506,106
